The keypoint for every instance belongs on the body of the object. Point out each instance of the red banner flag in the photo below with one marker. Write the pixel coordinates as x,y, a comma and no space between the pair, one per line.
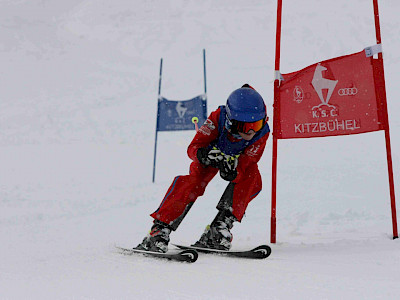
330,98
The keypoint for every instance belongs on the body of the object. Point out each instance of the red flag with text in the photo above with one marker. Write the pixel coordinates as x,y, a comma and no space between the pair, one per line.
339,96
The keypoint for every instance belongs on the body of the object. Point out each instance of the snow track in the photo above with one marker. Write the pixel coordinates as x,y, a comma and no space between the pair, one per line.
78,92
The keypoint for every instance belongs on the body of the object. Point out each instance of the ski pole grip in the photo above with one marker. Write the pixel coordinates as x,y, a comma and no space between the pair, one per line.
195,121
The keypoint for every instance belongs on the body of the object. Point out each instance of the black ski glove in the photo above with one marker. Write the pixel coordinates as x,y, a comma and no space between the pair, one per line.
228,176
211,157
227,168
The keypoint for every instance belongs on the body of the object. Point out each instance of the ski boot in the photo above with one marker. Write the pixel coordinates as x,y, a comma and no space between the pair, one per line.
218,235
158,238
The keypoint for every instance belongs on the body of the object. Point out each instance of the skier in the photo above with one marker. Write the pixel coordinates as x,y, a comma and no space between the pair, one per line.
231,141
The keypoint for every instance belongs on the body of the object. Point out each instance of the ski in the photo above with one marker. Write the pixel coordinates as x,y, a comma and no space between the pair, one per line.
186,255
259,252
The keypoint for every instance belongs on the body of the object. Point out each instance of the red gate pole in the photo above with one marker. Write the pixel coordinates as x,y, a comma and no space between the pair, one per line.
386,120
276,121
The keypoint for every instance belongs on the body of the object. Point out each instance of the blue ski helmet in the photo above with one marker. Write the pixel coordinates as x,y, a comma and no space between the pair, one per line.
245,105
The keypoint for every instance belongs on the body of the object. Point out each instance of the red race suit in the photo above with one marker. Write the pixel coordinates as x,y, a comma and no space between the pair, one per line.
184,190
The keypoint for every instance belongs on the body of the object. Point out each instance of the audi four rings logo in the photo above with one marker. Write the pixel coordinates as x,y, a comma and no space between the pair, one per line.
348,92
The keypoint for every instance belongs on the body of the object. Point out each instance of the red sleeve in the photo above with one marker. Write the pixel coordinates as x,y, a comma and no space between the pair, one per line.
251,155
207,133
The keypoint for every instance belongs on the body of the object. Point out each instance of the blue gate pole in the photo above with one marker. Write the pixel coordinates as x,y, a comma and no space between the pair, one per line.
158,115
204,67
205,86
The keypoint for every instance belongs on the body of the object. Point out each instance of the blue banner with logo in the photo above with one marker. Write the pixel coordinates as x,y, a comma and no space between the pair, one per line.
178,115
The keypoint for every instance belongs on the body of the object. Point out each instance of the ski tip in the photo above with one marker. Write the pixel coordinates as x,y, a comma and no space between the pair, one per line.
186,255
189,255
262,251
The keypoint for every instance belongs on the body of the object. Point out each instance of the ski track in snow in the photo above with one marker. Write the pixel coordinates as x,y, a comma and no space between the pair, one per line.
77,120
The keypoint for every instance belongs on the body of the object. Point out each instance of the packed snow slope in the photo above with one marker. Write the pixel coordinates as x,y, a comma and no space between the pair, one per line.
78,100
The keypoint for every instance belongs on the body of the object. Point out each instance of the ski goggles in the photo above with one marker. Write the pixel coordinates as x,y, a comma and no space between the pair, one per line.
245,127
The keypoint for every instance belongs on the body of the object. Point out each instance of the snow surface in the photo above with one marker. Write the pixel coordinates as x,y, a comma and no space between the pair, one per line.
78,92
